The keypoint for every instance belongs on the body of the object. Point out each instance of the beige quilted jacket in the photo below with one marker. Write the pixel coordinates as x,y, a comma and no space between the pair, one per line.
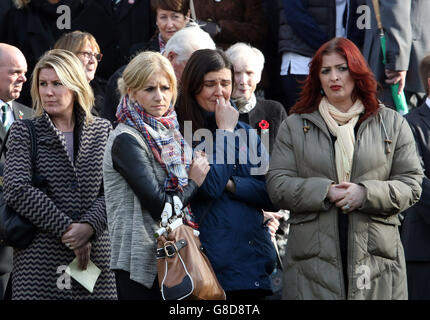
301,170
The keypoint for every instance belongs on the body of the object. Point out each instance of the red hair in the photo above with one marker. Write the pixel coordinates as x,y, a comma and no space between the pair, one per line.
365,83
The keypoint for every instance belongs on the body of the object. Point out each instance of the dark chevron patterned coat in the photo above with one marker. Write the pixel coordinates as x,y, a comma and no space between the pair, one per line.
75,194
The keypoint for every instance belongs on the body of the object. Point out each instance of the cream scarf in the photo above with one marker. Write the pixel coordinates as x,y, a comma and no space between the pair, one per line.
341,125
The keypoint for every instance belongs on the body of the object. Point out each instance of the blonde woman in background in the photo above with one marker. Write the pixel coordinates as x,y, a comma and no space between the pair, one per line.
70,216
85,46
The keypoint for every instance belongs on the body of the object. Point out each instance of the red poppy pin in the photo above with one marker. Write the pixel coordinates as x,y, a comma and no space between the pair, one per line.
264,126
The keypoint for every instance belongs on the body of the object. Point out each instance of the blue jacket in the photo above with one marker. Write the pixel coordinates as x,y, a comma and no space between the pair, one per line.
232,231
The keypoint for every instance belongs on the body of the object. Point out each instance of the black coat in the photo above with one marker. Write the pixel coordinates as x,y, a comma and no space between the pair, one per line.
271,111
416,226
33,30
5,5
116,29
111,99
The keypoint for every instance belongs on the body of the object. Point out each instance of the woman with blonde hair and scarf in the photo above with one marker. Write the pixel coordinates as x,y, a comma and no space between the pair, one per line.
146,163
345,166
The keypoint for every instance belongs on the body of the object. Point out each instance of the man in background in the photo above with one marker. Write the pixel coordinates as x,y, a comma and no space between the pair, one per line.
13,67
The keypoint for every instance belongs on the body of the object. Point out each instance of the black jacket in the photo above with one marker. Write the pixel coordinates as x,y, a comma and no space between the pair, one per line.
116,29
306,24
271,111
33,30
128,158
111,99
416,225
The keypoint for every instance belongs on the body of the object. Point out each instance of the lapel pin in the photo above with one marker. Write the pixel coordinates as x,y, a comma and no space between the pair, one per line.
20,115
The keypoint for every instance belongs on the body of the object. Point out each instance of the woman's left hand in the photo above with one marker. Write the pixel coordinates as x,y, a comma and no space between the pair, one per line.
354,196
77,234
83,254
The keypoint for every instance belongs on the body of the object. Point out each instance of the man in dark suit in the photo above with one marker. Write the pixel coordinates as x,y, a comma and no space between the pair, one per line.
13,67
5,5
117,25
416,226
408,41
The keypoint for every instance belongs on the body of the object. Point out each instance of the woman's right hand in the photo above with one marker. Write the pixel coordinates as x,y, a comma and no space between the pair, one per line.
226,116
83,254
199,169
335,193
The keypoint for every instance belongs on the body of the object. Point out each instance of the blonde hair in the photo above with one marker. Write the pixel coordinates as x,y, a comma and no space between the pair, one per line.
21,3
141,68
69,70
75,41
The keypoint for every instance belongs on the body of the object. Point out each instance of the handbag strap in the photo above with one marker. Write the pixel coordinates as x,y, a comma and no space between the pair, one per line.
30,126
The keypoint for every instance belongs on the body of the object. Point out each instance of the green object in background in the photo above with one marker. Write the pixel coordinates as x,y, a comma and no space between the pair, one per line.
399,99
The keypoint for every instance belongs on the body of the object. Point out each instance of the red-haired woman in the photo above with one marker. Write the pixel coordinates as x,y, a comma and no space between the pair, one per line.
345,166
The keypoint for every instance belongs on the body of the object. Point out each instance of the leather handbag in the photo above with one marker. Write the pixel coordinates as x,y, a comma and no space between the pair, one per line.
15,230
184,271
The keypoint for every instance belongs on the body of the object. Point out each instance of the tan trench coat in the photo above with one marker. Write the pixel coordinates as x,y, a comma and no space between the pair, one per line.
301,170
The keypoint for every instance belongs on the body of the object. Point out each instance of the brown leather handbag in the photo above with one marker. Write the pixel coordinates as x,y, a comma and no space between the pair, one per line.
184,271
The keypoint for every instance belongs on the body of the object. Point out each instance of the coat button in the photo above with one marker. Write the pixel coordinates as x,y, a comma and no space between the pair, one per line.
257,284
73,185
250,242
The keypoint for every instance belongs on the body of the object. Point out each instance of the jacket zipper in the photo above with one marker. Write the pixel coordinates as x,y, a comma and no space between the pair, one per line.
350,266
324,129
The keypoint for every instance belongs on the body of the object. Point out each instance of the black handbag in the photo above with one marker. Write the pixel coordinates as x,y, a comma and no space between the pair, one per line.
15,230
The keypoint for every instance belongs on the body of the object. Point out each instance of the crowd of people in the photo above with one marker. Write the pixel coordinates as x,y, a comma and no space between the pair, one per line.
274,124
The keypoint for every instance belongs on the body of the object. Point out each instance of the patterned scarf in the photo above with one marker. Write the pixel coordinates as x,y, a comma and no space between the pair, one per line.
246,106
341,125
163,137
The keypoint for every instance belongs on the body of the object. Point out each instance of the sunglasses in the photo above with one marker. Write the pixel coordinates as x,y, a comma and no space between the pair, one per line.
88,55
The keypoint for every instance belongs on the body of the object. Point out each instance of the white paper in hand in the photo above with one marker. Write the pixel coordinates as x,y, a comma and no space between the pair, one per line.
87,278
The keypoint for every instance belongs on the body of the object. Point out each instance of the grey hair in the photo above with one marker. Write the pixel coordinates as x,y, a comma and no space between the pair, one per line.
241,51
187,40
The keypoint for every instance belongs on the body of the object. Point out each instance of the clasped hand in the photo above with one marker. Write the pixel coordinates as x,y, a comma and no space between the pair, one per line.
346,195
77,238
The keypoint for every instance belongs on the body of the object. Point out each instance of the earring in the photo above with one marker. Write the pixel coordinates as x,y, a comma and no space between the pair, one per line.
322,92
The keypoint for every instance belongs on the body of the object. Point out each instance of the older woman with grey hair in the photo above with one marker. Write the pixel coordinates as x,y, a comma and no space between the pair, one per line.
264,115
